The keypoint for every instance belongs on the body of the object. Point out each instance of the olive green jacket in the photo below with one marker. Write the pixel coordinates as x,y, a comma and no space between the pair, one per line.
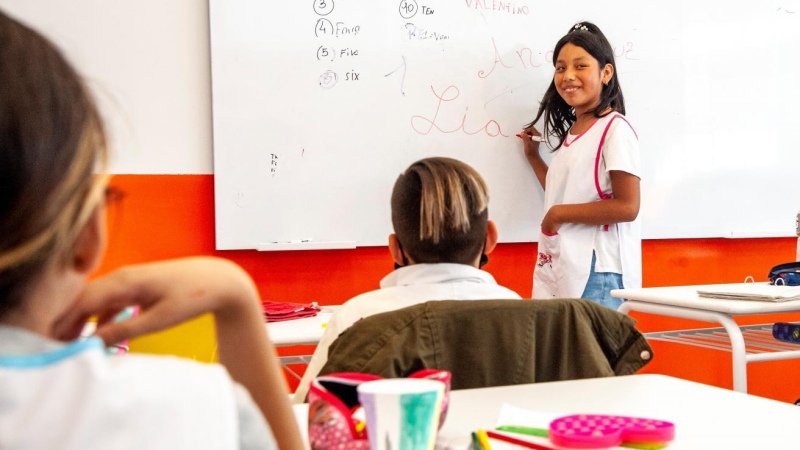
493,342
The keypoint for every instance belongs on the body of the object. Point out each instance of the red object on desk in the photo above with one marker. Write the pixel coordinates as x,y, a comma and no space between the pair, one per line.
517,441
280,311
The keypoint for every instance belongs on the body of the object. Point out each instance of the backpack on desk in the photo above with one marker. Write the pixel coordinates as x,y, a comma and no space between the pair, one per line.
787,274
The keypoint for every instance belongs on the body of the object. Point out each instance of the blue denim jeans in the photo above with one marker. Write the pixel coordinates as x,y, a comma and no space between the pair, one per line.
598,288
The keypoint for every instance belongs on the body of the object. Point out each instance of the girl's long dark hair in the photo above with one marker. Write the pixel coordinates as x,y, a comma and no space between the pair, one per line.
51,136
558,115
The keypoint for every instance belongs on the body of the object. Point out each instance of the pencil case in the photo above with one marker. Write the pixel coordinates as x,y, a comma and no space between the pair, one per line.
786,332
787,274
604,431
334,409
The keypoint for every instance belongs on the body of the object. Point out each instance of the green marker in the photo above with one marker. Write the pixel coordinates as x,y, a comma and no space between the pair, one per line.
530,431
476,445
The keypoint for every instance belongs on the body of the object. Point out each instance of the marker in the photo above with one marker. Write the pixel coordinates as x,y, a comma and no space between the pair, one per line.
515,441
541,432
483,439
476,445
299,241
533,138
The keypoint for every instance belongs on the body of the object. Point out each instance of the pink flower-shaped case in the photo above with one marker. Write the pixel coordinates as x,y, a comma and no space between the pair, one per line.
602,431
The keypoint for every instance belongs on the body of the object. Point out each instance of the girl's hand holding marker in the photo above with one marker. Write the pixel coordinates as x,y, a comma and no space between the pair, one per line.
531,136
530,142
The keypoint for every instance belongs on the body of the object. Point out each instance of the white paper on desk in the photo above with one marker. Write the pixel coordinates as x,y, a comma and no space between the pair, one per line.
754,291
514,415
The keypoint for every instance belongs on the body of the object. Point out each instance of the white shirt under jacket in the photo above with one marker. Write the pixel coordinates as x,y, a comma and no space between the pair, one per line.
406,286
571,180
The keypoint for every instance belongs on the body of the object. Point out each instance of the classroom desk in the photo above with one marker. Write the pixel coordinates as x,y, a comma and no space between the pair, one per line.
305,331
705,417
746,343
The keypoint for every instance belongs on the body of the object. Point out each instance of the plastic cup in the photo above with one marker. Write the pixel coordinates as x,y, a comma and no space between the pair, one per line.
402,413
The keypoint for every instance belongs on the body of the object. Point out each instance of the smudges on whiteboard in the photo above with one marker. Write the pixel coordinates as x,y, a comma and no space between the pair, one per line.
403,78
328,79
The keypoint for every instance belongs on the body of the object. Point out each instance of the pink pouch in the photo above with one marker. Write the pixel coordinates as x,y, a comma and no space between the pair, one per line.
280,311
333,400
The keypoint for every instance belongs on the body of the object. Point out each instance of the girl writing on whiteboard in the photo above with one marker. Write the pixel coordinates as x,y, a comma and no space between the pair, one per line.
590,241
67,393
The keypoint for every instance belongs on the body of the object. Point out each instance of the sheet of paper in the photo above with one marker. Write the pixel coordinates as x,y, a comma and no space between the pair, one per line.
755,292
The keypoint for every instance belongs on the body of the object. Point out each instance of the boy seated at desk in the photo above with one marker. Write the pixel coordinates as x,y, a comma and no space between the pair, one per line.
442,234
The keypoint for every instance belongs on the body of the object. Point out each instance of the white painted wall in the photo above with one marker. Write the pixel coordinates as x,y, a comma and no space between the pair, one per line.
148,63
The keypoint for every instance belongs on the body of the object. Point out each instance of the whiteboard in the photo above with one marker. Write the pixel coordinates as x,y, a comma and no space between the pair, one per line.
318,106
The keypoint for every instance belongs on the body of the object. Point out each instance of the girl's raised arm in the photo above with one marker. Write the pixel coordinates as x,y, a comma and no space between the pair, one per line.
174,291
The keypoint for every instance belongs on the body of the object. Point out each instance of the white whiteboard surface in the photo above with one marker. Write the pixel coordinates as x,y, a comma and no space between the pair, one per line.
302,152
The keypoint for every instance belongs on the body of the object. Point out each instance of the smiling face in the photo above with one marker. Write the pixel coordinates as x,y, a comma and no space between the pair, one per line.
579,78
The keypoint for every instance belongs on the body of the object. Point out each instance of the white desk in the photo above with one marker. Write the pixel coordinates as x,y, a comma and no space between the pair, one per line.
747,344
705,417
305,331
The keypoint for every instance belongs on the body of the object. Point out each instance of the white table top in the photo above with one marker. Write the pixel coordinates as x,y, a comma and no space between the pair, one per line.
705,417
308,330
686,296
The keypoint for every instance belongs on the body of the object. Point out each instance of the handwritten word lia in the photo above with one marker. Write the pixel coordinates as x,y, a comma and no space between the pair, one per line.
423,125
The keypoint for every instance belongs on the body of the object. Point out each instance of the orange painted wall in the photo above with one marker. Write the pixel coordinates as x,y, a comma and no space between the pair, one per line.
167,216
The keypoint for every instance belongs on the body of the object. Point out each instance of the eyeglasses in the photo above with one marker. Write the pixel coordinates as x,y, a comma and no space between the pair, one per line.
114,195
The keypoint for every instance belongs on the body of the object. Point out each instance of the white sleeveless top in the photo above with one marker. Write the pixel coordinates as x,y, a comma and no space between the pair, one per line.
77,398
